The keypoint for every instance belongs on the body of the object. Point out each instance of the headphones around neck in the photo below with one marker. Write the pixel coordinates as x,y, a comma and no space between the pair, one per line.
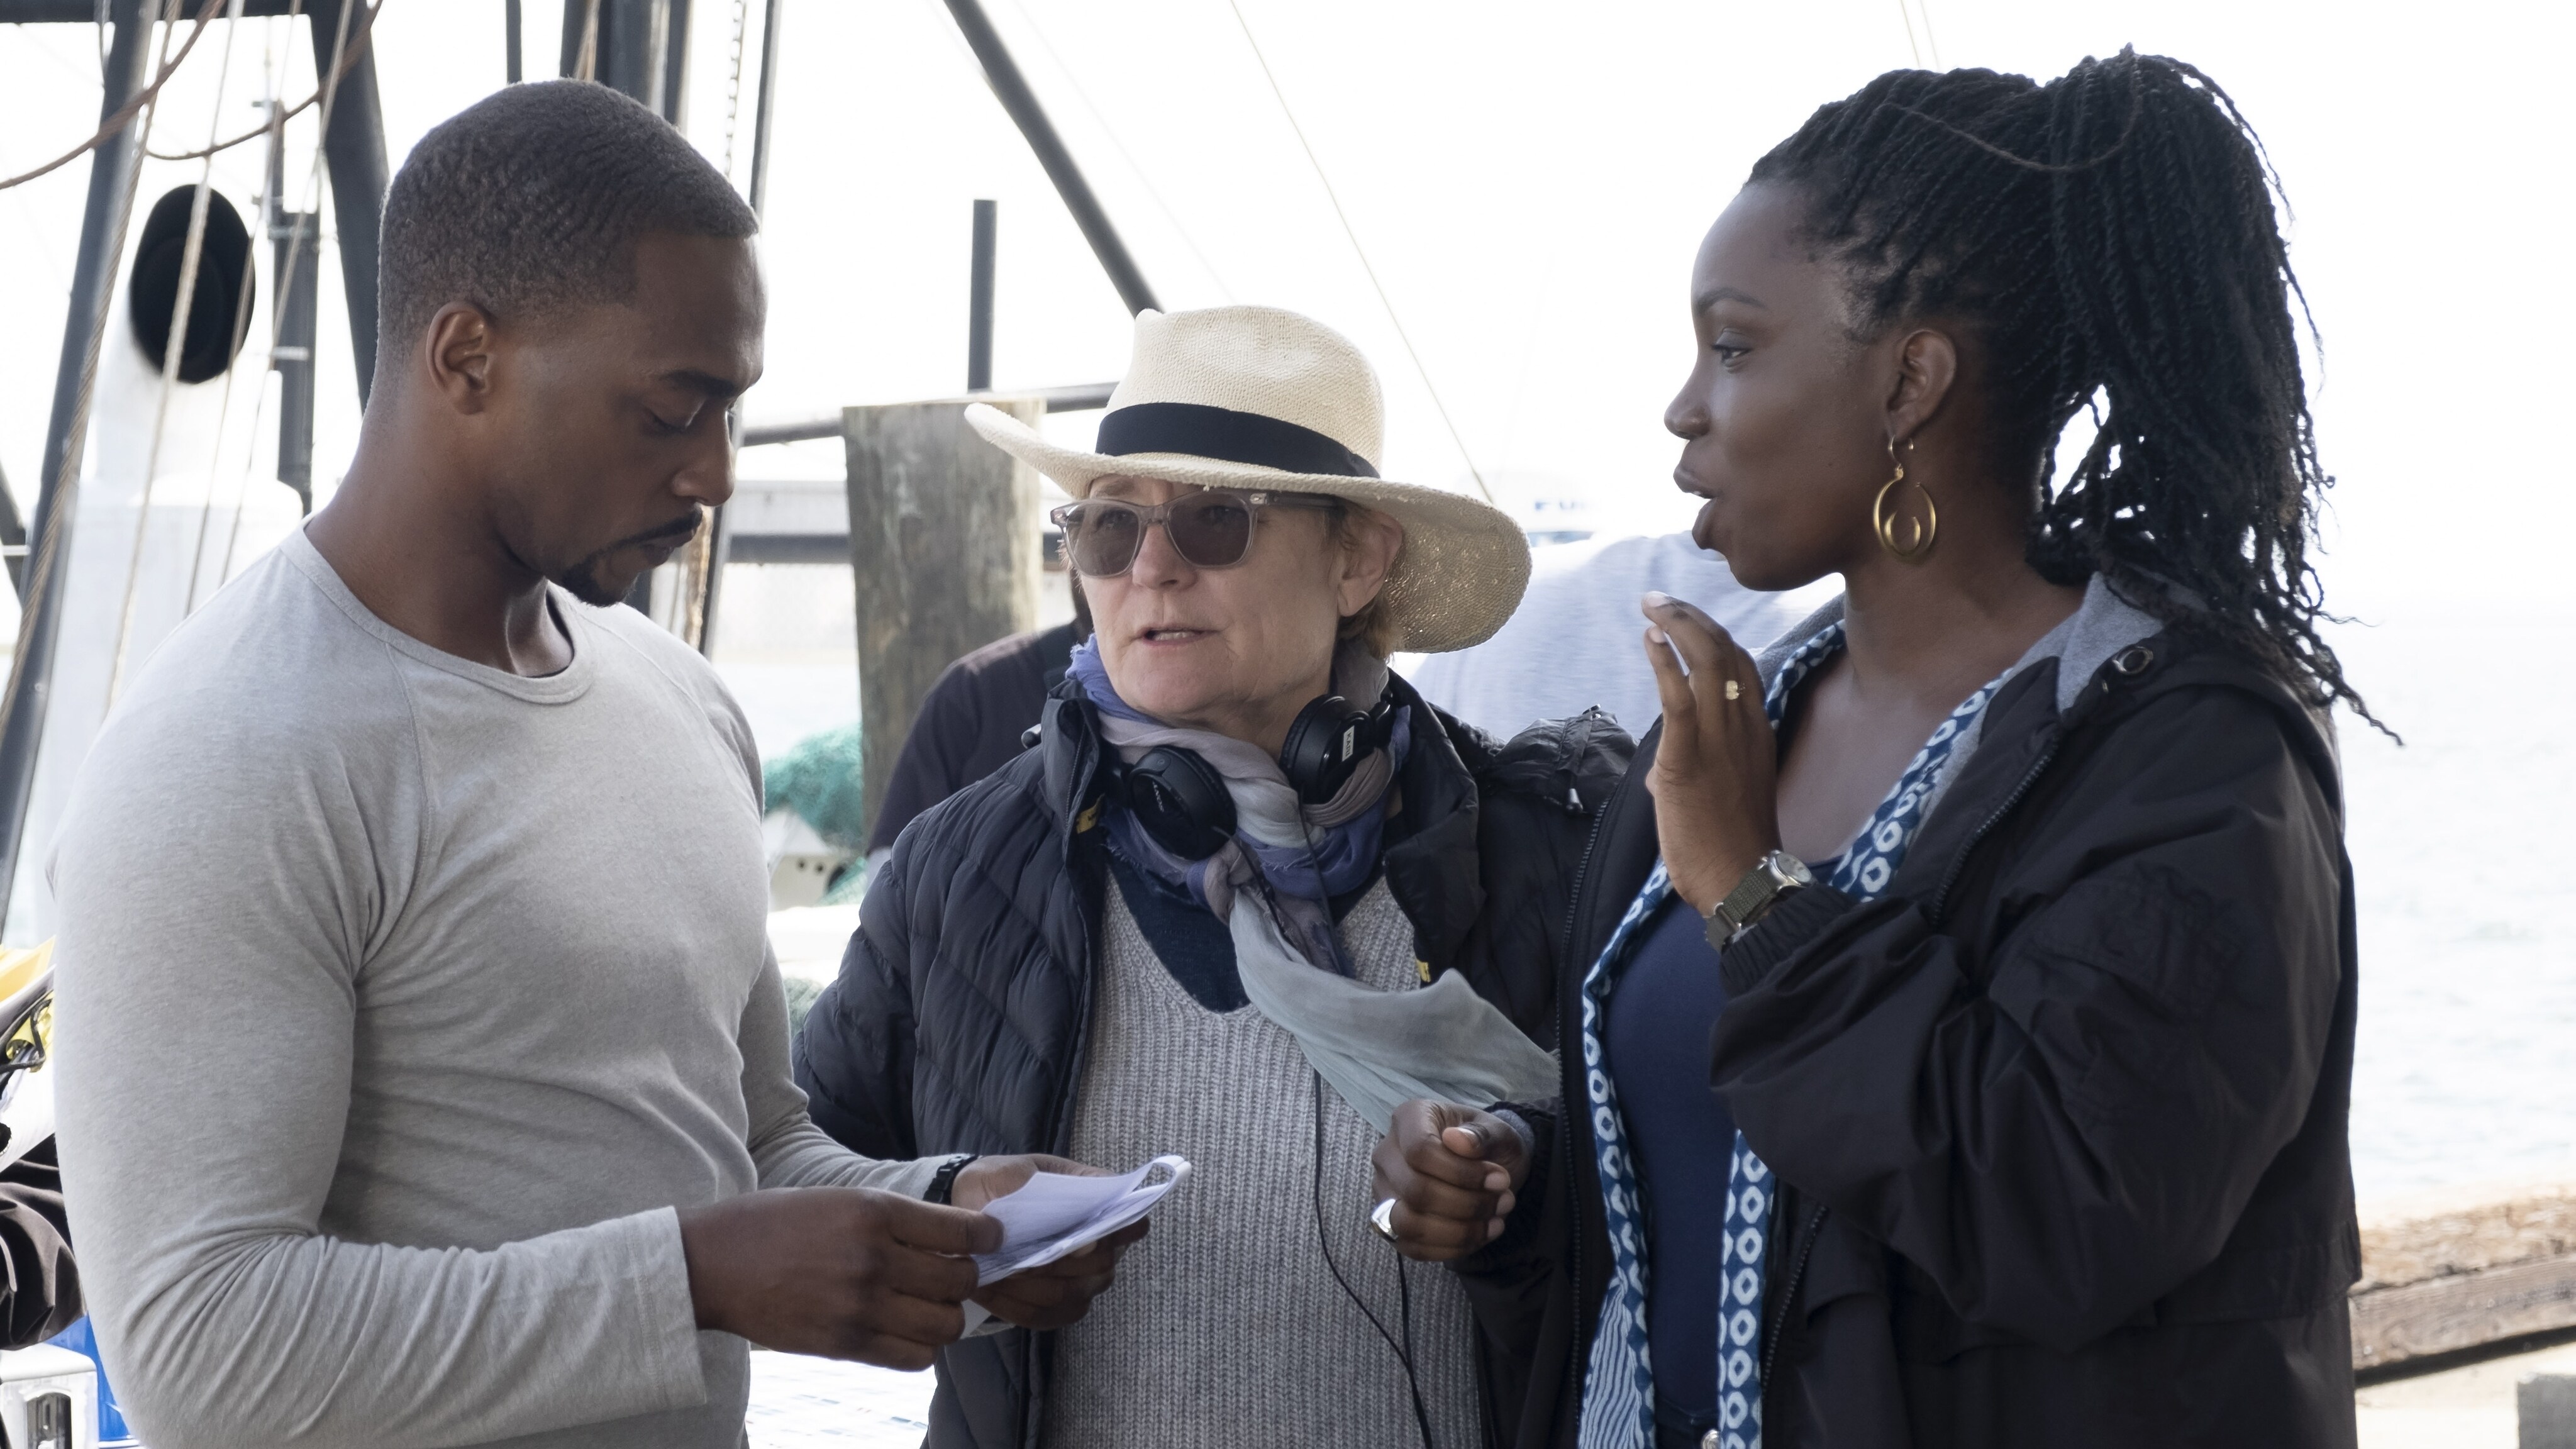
1182,801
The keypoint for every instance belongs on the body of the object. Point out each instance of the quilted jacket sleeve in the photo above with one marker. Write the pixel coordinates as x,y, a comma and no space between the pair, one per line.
854,1058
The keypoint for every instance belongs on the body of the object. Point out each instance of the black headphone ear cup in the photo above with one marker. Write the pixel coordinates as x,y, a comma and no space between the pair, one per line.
1181,801
1324,744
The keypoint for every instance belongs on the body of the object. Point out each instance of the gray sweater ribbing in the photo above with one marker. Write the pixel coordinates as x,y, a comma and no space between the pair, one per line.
1227,1328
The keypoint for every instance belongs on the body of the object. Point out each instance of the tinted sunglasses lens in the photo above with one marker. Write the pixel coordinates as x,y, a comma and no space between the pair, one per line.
1212,530
1104,538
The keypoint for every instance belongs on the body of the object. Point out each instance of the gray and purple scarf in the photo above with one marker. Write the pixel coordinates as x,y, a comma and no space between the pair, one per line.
1273,885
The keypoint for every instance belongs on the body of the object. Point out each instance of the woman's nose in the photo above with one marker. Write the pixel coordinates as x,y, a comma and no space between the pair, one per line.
1158,564
1686,416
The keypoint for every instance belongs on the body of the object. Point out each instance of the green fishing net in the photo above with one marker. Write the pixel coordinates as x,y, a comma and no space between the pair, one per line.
819,778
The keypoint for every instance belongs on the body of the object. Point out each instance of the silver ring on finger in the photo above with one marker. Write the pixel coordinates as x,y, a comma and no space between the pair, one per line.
1381,1220
1734,691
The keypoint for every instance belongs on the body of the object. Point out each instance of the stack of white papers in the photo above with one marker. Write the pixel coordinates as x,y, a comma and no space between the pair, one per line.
1055,1214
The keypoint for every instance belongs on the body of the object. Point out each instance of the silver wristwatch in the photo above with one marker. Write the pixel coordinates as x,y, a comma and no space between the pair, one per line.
1773,876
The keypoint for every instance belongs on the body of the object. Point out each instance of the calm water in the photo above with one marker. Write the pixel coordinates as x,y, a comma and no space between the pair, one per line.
2467,1058
2467,1055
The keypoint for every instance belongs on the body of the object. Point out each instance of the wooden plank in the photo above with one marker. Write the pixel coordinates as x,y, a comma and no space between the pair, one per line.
2465,1230
2462,1311
944,545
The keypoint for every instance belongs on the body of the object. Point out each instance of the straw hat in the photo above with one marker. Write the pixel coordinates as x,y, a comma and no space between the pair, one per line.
1254,397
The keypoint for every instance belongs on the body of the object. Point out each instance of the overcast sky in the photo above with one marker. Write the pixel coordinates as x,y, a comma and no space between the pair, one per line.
1529,182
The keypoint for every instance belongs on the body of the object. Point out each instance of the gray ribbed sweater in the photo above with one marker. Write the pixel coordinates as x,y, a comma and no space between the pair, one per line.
1226,1327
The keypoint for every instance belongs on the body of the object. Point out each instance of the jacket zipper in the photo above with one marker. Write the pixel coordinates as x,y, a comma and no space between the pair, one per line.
1789,1296
1060,1130
2011,802
1568,1122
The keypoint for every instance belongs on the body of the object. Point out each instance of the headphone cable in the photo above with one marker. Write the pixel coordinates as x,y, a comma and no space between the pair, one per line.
1403,1285
1412,1383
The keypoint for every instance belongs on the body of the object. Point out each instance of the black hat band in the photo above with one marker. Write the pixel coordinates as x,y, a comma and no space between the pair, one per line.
1213,432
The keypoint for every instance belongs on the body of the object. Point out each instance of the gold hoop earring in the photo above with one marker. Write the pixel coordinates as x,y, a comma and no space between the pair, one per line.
1925,529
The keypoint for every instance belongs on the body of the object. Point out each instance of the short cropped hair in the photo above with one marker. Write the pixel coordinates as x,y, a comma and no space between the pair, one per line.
531,200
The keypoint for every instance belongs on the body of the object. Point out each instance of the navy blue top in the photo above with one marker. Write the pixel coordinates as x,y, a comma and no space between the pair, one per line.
1680,1136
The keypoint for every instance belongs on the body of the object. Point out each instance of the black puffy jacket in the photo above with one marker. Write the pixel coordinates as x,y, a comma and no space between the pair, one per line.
959,1020
2059,1118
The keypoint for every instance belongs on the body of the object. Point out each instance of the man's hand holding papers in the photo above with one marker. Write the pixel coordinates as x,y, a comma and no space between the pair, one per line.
1064,1226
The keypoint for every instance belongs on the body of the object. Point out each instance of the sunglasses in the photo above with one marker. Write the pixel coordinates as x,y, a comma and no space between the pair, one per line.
1210,528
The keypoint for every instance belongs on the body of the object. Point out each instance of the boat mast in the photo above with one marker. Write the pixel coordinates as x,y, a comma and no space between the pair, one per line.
112,172
1012,90
353,148
718,544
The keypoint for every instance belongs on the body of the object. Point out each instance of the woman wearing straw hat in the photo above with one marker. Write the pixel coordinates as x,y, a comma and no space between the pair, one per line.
1246,893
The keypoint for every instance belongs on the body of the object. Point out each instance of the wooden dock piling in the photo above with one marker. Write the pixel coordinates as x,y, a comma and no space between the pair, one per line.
945,548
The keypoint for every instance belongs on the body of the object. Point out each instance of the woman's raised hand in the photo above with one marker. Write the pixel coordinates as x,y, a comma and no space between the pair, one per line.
1452,1171
1716,771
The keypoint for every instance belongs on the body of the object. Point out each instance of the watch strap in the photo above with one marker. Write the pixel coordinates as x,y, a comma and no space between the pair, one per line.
1775,875
943,1183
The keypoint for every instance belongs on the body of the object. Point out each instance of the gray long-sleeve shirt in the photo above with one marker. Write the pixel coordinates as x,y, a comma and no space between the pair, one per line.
402,1002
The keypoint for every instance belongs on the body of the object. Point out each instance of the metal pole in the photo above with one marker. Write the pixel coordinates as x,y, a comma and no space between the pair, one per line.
979,302
13,535
624,49
720,527
759,193
354,149
297,238
675,61
517,30
578,17
642,49
112,170
1013,92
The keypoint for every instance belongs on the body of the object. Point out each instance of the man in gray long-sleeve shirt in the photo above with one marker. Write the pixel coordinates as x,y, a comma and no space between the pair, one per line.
422,1057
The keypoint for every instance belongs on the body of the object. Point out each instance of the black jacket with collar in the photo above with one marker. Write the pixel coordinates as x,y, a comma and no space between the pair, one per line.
959,1020
2060,1117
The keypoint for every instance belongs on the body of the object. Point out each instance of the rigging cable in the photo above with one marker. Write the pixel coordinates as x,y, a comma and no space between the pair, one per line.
1129,157
172,349
1905,10
1362,253
141,103
348,58
241,325
44,556
341,46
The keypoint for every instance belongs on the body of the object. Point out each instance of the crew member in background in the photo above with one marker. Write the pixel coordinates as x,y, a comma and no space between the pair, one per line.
422,1052
974,720
1572,644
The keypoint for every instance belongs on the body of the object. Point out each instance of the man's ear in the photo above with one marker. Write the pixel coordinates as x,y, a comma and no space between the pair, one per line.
459,356
1927,367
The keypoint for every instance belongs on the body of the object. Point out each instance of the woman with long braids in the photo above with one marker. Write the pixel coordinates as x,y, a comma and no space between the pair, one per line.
2013,882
